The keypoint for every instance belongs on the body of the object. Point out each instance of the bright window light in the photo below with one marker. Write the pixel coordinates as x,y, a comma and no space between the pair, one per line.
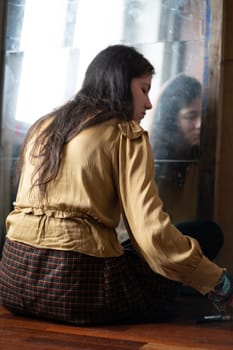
44,77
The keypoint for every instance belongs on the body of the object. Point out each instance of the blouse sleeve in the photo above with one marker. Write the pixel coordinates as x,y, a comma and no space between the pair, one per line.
166,250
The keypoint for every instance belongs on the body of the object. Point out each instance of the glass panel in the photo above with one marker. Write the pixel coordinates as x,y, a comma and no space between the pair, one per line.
175,123
49,44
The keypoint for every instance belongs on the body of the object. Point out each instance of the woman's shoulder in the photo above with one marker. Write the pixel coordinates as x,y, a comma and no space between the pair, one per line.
131,129
128,128
111,132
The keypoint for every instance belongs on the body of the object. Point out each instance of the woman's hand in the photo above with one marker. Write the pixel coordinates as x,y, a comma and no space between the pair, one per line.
222,295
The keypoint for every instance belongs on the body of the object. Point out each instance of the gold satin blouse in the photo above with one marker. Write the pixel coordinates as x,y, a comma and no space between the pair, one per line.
108,169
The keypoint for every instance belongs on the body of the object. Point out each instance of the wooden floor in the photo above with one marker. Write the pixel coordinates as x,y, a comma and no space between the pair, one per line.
21,333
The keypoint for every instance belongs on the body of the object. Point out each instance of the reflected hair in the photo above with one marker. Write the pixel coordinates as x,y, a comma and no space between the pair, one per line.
178,93
105,94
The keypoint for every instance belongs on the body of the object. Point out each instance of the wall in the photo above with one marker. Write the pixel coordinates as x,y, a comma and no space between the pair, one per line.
224,160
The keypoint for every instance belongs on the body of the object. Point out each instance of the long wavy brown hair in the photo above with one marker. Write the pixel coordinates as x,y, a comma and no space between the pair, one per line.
178,93
105,94
171,161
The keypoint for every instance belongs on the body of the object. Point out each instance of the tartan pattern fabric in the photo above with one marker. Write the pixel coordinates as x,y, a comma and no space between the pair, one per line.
67,286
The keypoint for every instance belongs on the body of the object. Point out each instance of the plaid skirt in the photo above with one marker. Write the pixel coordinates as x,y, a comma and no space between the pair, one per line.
71,287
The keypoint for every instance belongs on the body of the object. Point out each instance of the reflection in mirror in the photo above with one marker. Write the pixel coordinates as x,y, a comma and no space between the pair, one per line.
49,44
175,140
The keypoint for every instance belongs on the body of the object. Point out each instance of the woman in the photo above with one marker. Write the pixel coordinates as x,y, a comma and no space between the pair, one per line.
82,165
176,130
175,140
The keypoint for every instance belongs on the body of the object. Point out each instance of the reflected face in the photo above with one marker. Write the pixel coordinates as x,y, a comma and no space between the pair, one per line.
140,88
189,122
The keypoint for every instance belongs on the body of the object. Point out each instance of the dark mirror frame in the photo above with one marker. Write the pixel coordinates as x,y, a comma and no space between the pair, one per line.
209,137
